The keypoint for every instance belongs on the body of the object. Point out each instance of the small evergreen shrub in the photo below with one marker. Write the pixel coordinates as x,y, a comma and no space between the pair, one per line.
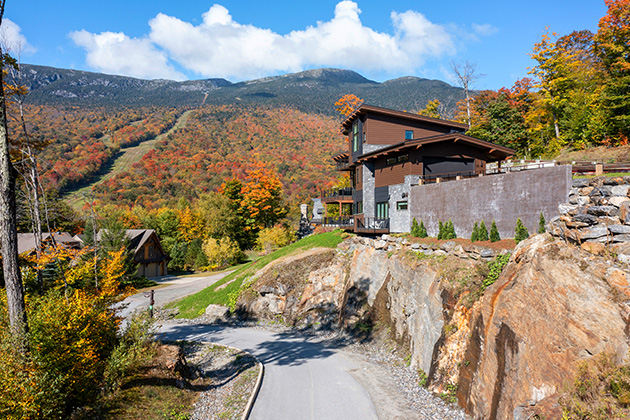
415,228
423,230
482,234
441,232
474,237
520,232
494,233
541,223
450,230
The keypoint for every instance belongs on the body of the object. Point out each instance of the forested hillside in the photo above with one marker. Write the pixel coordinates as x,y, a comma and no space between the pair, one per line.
224,142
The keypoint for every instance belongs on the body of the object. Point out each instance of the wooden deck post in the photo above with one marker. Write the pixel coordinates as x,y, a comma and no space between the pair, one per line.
599,168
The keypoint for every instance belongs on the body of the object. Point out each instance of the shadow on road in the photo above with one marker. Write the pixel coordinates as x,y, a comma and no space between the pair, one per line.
279,348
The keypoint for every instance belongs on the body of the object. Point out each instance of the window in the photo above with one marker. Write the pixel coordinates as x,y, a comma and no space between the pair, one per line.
382,210
401,205
391,161
355,137
403,158
408,134
358,207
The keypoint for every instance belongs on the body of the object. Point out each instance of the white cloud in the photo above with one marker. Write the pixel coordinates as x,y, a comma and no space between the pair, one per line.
116,53
485,29
219,46
12,39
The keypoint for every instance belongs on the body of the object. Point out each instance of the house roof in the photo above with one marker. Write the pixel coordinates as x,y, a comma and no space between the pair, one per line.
137,238
495,152
364,109
26,241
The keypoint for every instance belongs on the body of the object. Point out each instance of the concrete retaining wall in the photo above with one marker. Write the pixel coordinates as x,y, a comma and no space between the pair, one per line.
502,198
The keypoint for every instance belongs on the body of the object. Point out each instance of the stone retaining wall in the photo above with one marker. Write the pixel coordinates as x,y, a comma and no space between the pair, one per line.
598,212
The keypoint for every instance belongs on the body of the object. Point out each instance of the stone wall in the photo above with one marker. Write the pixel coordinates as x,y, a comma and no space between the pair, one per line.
503,198
597,212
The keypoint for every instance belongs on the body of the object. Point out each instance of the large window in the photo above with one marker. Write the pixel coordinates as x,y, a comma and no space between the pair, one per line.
358,207
382,210
355,136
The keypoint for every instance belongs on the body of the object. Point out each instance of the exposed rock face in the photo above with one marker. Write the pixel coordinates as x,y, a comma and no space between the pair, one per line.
551,307
510,353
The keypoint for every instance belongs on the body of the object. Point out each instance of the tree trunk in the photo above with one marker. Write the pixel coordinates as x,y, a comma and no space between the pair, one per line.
8,228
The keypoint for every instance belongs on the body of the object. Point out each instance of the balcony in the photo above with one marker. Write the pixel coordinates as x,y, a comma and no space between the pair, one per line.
371,225
341,195
344,222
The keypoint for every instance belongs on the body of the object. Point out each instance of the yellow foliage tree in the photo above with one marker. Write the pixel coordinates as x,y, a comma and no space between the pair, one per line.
347,104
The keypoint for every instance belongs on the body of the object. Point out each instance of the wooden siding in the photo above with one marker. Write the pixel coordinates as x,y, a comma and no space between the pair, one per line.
384,129
395,174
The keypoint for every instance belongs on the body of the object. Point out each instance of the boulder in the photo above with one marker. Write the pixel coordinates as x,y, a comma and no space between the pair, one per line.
584,218
217,312
620,190
580,183
618,201
593,232
567,208
619,229
551,307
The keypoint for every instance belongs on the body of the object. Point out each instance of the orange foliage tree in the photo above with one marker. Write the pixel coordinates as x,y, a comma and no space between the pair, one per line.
348,103
262,198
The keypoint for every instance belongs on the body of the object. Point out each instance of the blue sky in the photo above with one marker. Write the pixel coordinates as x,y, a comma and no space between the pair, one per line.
240,40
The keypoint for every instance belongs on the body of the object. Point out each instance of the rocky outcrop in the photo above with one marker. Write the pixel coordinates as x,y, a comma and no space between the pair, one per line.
509,353
553,305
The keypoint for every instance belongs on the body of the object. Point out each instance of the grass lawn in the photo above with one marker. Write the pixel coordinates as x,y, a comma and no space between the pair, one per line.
194,305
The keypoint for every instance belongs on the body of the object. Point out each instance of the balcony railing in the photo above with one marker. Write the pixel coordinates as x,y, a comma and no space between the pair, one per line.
341,194
372,225
342,164
343,221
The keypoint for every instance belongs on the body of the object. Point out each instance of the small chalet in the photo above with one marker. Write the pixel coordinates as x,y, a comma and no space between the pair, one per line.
389,151
147,252
26,241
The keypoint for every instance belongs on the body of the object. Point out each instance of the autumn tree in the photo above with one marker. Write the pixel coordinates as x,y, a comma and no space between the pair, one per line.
432,109
467,76
612,47
347,104
262,198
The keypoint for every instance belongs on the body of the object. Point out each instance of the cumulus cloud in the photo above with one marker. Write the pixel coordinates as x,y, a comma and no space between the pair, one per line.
116,53
219,46
13,40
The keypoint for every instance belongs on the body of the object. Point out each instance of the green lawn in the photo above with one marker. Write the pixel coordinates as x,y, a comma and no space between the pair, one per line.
194,305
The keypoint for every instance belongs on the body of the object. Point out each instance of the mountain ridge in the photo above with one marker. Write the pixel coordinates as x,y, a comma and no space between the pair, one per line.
313,90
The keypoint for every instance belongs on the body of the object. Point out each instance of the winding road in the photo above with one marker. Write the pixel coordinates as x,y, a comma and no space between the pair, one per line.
305,377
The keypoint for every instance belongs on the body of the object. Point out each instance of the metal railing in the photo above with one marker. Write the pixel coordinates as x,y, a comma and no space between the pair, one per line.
343,221
342,164
448,176
341,192
372,225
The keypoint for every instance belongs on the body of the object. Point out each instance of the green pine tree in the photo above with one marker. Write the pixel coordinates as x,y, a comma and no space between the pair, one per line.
440,230
422,230
541,223
415,228
520,232
483,232
494,233
474,237
450,230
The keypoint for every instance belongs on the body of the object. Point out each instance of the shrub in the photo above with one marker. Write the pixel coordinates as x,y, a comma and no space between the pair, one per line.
270,239
541,223
494,233
222,253
600,390
495,268
483,232
474,237
448,231
418,230
441,231
520,232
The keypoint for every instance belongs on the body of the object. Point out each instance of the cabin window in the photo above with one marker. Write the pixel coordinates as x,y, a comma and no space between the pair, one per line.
403,158
401,205
408,134
358,207
382,210
355,137
391,161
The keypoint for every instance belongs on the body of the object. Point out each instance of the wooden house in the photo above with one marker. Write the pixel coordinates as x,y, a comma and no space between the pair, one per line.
389,151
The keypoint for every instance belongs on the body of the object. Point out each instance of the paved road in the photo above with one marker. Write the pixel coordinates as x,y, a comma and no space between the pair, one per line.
304,378
168,290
